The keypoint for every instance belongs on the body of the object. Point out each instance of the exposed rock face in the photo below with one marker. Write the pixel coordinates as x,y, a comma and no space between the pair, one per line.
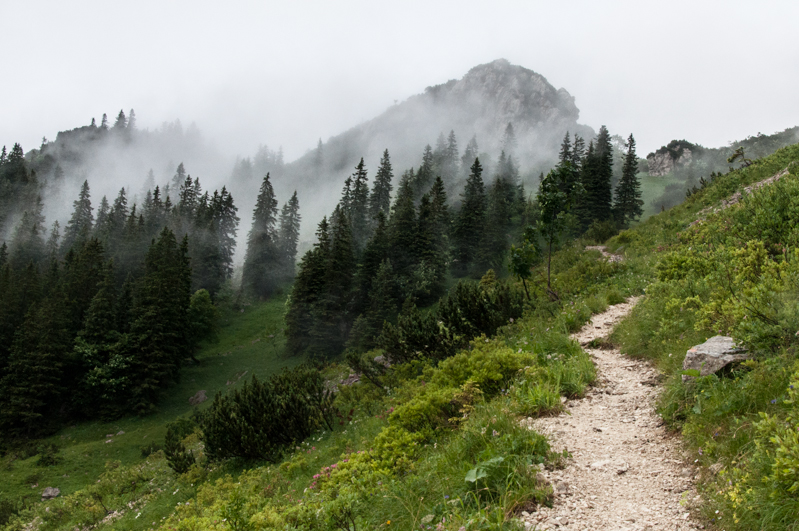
712,356
50,493
198,398
664,160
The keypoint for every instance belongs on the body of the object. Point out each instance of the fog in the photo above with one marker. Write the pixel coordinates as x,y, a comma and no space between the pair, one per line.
247,74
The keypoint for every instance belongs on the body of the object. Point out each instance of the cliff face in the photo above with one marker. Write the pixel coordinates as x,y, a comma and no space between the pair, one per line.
677,154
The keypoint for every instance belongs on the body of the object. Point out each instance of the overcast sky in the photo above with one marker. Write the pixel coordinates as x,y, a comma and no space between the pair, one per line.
287,73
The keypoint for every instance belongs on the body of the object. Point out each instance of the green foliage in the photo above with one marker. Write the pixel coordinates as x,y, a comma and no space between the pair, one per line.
262,419
179,458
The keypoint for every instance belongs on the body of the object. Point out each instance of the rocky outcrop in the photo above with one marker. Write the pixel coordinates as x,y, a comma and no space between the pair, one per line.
676,153
198,398
712,356
50,493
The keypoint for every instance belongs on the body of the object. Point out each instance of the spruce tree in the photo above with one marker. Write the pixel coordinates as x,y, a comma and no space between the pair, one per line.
420,183
565,154
80,225
103,378
28,244
332,321
32,390
83,271
121,121
628,205
157,342
52,245
494,237
261,262
469,154
597,174
179,178
288,236
402,228
469,222
375,252
358,212
380,199
227,223
306,290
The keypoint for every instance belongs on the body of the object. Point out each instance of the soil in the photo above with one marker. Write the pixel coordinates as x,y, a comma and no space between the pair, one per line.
626,471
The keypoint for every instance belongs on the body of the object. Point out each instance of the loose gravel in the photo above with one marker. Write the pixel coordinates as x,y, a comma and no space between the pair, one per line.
626,471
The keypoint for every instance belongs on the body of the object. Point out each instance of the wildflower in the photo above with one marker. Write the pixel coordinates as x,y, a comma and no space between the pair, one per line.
495,433
388,522
790,386
774,401
700,452
446,496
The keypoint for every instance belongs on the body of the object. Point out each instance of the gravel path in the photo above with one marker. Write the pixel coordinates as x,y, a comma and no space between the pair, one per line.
626,471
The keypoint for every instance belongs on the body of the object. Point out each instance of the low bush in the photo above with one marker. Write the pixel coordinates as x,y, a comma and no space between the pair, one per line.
262,419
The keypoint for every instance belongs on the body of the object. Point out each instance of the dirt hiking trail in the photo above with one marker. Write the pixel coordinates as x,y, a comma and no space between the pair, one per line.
626,471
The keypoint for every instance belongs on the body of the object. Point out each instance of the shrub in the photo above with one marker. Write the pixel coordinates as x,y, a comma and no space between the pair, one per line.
263,418
179,458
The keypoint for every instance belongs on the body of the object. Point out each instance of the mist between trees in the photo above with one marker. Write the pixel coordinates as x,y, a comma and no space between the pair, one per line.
99,315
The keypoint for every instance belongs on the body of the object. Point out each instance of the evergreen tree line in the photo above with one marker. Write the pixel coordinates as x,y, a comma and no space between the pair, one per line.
75,345
271,243
585,176
98,322
19,187
372,254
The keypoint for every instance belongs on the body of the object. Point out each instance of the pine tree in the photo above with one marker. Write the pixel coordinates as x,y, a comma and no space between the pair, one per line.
288,236
84,269
52,245
375,252
402,228
332,321
28,243
469,154
80,225
420,183
179,178
131,121
31,392
104,122
306,290
157,342
380,200
565,154
628,205
227,223
448,166
494,237
596,177
261,262
121,121
358,213
469,221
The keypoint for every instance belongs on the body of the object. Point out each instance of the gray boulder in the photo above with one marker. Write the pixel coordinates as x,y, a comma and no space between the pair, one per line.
198,398
712,356
50,493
